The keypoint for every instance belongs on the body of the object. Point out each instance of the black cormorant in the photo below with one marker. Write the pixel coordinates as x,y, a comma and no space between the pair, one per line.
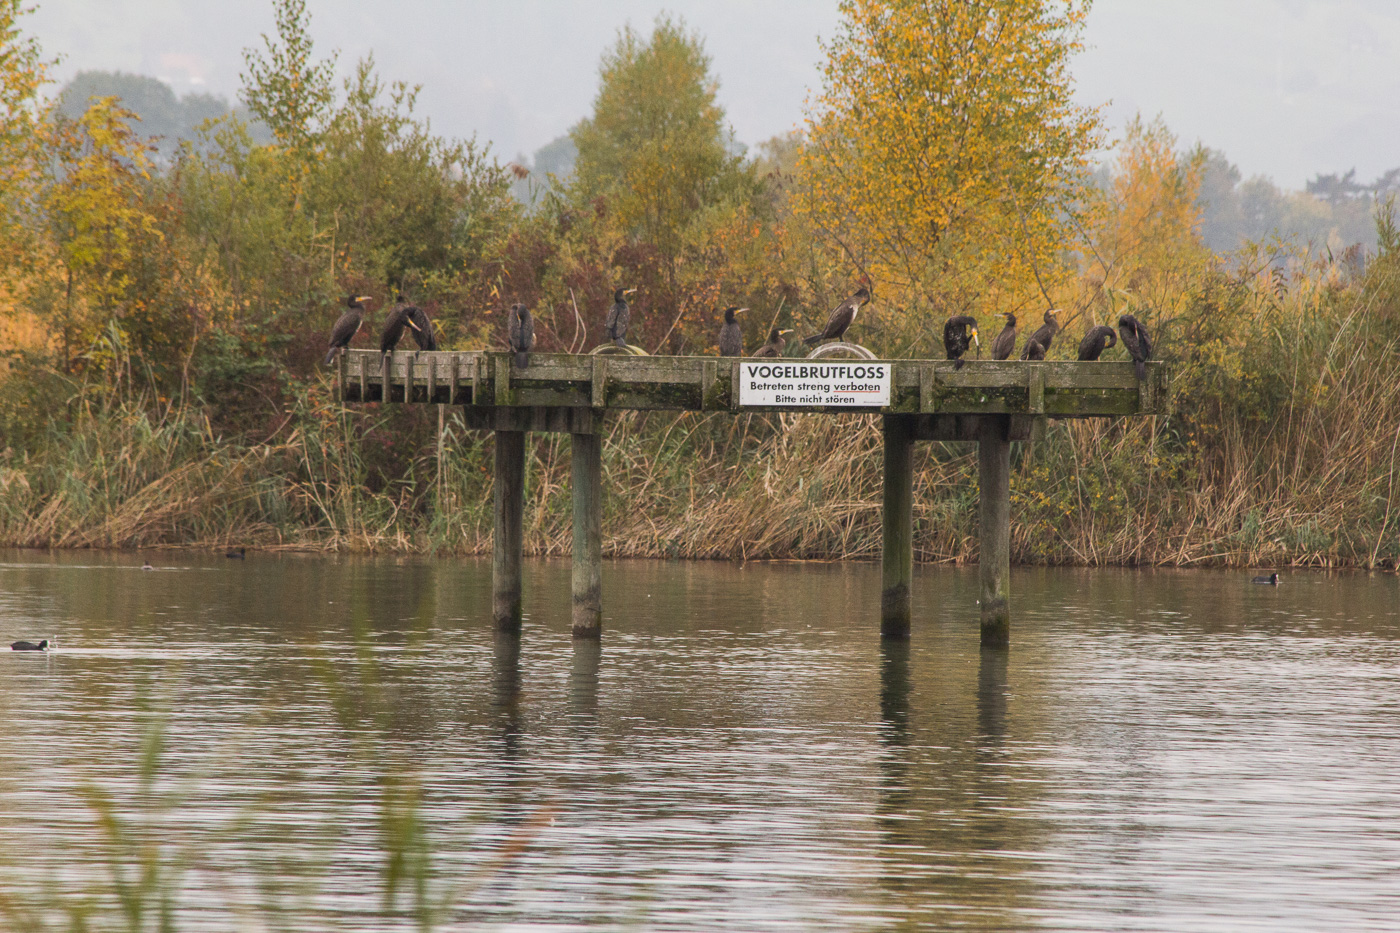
1270,580
1005,344
236,553
773,349
403,316
731,336
423,333
615,327
1034,350
520,329
347,326
956,335
1097,340
29,645
1045,333
841,318
1136,342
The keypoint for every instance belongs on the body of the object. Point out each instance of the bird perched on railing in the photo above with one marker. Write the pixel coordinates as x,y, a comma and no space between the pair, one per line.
520,329
347,326
619,316
773,349
413,318
840,318
1033,350
731,336
1097,340
1136,342
1005,343
1045,333
957,333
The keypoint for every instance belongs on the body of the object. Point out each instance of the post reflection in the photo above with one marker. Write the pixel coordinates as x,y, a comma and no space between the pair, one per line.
583,682
505,671
950,808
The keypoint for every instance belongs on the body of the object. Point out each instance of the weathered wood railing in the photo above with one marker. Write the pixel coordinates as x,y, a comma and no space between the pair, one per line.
990,403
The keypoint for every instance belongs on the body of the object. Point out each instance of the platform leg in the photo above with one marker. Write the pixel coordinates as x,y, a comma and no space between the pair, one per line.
897,553
588,535
507,539
994,494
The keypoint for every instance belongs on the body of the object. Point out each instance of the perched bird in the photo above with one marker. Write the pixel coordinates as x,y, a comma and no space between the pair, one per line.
731,337
29,646
840,318
236,553
1045,333
615,327
1270,580
1005,343
1034,350
956,334
403,316
1136,342
423,333
1097,340
347,326
521,333
773,349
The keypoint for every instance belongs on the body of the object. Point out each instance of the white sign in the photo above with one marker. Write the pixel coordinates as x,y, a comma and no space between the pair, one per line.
852,383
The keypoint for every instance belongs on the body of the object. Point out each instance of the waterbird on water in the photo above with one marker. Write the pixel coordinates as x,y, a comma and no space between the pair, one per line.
840,318
1097,340
236,553
1006,340
347,326
147,566
956,334
1270,580
731,336
619,315
774,347
29,645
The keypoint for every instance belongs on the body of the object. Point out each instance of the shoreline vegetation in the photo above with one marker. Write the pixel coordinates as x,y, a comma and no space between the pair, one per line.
163,314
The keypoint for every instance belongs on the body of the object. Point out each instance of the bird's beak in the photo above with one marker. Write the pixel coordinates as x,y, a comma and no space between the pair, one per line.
629,291
974,337
365,298
782,332
741,310
410,323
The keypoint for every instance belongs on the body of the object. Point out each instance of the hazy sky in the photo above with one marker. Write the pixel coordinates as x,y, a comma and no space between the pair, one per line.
1286,88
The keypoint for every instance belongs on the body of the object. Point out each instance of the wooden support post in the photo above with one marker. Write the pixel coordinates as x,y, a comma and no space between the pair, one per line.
386,377
994,495
897,556
507,540
588,535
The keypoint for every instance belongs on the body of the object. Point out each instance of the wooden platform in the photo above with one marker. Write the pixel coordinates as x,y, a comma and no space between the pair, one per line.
985,402
700,383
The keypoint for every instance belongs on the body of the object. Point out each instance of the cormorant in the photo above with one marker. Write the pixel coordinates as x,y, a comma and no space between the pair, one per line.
423,333
402,316
1097,340
615,327
840,318
1045,333
347,326
521,333
236,553
29,645
1034,350
731,337
1270,580
1005,344
773,349
956,334
1136,342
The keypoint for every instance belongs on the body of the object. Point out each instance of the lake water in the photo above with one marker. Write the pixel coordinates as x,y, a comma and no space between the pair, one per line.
311,743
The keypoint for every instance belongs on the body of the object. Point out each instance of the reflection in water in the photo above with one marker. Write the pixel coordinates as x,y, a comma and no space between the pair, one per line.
1157,750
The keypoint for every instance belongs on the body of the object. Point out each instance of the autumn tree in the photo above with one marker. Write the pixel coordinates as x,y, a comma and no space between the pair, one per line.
284,85
945,153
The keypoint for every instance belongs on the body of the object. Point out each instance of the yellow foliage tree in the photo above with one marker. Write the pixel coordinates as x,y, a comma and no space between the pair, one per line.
945,154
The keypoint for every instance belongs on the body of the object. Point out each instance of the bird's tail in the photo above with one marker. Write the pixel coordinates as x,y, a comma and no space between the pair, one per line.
522,359
330,357
958,363
1140,367
620,341
812,339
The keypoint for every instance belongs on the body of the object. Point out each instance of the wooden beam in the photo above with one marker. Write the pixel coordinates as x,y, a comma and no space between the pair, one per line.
994,510
897,551
507,538
588,536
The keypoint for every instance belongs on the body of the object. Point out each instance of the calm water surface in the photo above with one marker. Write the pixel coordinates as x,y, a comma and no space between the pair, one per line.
1158,750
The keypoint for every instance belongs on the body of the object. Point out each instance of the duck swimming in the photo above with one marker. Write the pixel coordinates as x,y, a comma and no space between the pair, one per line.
1270,580
29,646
